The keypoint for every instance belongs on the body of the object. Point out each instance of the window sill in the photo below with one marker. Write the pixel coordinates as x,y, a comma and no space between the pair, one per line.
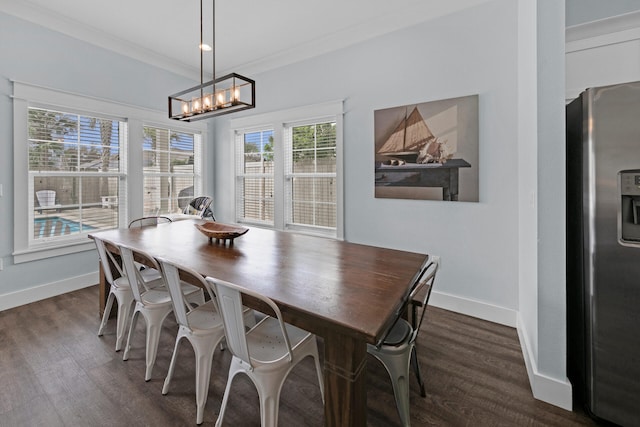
38,253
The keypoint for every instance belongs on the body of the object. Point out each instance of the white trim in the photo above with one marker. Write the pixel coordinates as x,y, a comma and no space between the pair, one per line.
606,26
555,391
600,34
306,112
41,252
47,290
474,308
602,40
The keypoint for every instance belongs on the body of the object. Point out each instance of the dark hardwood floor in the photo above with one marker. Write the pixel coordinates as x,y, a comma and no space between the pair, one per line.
55,371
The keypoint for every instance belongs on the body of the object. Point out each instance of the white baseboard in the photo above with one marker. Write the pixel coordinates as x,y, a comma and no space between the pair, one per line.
551,390
48,290
474,308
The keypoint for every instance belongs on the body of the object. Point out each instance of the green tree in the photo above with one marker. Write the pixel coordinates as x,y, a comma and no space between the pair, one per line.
47,130
106,131
308,138
268,150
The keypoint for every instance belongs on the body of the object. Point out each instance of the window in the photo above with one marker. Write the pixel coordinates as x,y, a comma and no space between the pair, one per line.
254,198
83,164
310,151
75,181
170,175
288,169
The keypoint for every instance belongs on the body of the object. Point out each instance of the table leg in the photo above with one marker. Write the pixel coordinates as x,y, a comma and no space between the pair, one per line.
345,394
453,184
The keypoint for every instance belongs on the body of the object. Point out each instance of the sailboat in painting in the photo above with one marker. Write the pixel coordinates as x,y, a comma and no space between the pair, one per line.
413,142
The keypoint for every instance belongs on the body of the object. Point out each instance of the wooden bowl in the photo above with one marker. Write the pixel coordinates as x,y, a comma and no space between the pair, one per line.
219,231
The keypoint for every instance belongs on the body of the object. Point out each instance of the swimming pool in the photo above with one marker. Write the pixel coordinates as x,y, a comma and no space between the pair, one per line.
56,226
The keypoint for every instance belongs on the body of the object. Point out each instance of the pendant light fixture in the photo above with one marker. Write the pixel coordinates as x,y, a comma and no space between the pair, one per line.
218,96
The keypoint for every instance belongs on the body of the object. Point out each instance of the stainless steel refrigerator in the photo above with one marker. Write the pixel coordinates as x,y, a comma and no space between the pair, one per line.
603,251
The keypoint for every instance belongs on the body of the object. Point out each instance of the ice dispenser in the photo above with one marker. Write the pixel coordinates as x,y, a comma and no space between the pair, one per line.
629,214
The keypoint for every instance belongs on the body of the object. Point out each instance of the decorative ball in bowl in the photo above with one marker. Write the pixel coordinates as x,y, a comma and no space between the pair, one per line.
221,232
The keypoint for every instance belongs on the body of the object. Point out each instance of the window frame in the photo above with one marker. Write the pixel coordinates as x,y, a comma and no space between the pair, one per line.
27,95
279,121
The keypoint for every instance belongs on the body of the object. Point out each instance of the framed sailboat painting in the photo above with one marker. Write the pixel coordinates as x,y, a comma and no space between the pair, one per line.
428,151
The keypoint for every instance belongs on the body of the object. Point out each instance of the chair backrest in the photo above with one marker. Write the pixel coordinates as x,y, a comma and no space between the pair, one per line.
106,256
416,283
149,220
136,281
171,273
199,206
422,291
230,305
46,197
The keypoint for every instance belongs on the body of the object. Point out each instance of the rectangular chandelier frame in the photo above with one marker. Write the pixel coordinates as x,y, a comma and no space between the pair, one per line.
223,95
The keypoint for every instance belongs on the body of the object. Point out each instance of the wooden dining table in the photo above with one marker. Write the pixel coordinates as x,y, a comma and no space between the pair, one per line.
348,294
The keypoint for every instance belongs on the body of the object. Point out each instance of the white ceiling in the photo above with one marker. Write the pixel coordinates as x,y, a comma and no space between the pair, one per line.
251,35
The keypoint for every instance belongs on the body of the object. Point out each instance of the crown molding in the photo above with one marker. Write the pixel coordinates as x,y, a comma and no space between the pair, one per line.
60,23
420,12
416,13
603,27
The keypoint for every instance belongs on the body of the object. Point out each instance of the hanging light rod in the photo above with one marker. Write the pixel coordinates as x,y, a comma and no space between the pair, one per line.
222,95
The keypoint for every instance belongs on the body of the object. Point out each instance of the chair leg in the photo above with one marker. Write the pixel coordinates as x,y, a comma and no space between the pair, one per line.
269,388
107,312
319,372
172,365
234,369
155,319
125,301
132,327
416,368
398,369
204,356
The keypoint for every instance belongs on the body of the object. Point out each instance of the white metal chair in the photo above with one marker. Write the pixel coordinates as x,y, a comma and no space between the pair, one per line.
266,353
154,303
201,326
149,220
397,349
120,290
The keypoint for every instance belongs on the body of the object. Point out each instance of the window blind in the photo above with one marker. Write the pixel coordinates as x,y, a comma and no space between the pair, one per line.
169,169
255,176
310,175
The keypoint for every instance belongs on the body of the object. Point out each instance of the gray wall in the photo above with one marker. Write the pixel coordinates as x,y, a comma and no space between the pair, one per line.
32,54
